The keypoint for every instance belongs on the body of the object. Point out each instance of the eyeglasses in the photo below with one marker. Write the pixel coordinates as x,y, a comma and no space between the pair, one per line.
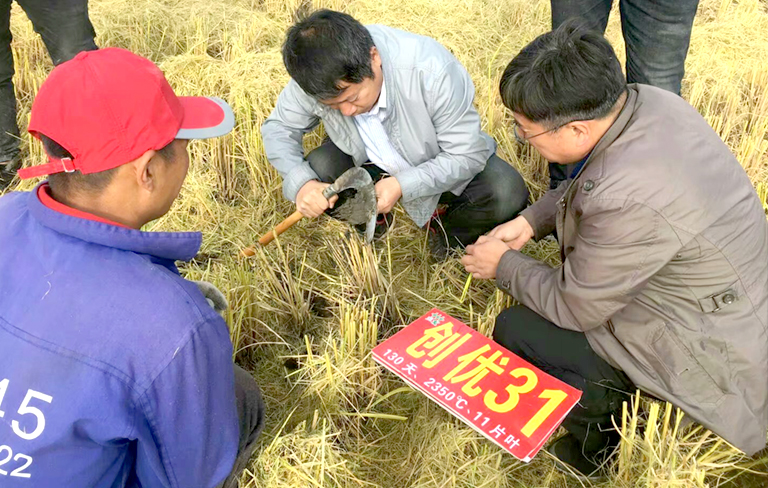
521,139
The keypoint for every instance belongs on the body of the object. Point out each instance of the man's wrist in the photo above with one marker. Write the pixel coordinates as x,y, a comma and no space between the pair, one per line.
296,179
528,227
397,187
307,186
408,183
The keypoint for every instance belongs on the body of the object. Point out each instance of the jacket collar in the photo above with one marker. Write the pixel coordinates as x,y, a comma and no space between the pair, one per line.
386,66
43,194
171,246
614,131
618,126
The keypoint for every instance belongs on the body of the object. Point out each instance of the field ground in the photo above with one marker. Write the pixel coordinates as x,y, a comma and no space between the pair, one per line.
306,311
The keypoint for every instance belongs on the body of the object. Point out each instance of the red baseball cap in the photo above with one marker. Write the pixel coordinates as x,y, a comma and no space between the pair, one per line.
110,106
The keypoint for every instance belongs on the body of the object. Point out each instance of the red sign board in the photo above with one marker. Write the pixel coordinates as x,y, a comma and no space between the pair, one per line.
505,398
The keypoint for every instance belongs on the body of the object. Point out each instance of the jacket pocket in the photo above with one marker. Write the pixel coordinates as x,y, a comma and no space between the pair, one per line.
679,371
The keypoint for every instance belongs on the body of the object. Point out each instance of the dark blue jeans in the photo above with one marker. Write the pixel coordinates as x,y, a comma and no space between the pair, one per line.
656,33
65,29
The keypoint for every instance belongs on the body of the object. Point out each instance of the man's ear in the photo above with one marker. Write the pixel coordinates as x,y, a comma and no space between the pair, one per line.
146,170
581,131
375,56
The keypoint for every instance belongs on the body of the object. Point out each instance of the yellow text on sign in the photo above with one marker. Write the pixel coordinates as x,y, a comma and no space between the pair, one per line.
440,341
514,391
554,398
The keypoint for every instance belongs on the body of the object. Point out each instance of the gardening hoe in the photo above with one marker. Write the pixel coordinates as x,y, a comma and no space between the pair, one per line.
357,209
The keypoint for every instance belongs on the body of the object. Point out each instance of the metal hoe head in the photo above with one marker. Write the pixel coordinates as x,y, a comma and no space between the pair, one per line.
359,208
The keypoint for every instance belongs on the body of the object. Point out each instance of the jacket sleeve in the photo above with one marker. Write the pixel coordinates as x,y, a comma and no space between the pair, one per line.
283,133
542,214
463,149
616,252
189,433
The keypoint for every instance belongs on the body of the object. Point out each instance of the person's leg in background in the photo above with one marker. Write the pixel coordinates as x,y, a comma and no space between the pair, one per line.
9,131
250,412
494,196
567,355
66,30
657,34
594,13
63,25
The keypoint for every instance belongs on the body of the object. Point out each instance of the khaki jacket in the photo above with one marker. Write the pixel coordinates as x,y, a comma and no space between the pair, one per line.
665,265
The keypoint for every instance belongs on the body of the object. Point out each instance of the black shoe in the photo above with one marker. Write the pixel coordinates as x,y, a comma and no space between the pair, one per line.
383,223
437,239
580,465
438,244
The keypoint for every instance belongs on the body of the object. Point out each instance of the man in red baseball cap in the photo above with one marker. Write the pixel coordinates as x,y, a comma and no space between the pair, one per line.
114,370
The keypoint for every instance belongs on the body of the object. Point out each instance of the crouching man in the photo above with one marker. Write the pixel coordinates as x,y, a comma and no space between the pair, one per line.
114,370
401,106
664,244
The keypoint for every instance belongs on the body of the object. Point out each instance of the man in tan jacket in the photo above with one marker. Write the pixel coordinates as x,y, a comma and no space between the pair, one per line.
664,244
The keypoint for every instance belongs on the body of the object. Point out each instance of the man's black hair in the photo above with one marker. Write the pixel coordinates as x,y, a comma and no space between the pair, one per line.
567,74
63,184
326,48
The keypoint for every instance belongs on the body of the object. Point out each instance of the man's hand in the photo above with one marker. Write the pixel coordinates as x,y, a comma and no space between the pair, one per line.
388,192
514,233
310,200
213,296
482,257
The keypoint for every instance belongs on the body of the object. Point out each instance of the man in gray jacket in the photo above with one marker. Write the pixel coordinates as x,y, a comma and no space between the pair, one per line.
664,244
399,104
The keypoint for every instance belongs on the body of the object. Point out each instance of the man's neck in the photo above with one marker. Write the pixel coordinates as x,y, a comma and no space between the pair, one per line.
602,126
101,206
607,122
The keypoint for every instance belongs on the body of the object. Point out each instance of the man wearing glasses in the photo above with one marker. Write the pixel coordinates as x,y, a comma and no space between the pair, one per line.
664,248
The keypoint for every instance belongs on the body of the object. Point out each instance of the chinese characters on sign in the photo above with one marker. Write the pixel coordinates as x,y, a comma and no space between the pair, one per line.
500,395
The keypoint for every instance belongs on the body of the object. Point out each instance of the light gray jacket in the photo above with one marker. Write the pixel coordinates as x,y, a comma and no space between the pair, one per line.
431,122
665,265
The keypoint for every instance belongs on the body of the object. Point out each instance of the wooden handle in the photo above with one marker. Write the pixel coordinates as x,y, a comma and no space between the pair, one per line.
248,252
270,236
281,227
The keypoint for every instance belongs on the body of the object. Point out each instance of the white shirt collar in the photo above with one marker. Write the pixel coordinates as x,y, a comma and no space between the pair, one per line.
381,103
